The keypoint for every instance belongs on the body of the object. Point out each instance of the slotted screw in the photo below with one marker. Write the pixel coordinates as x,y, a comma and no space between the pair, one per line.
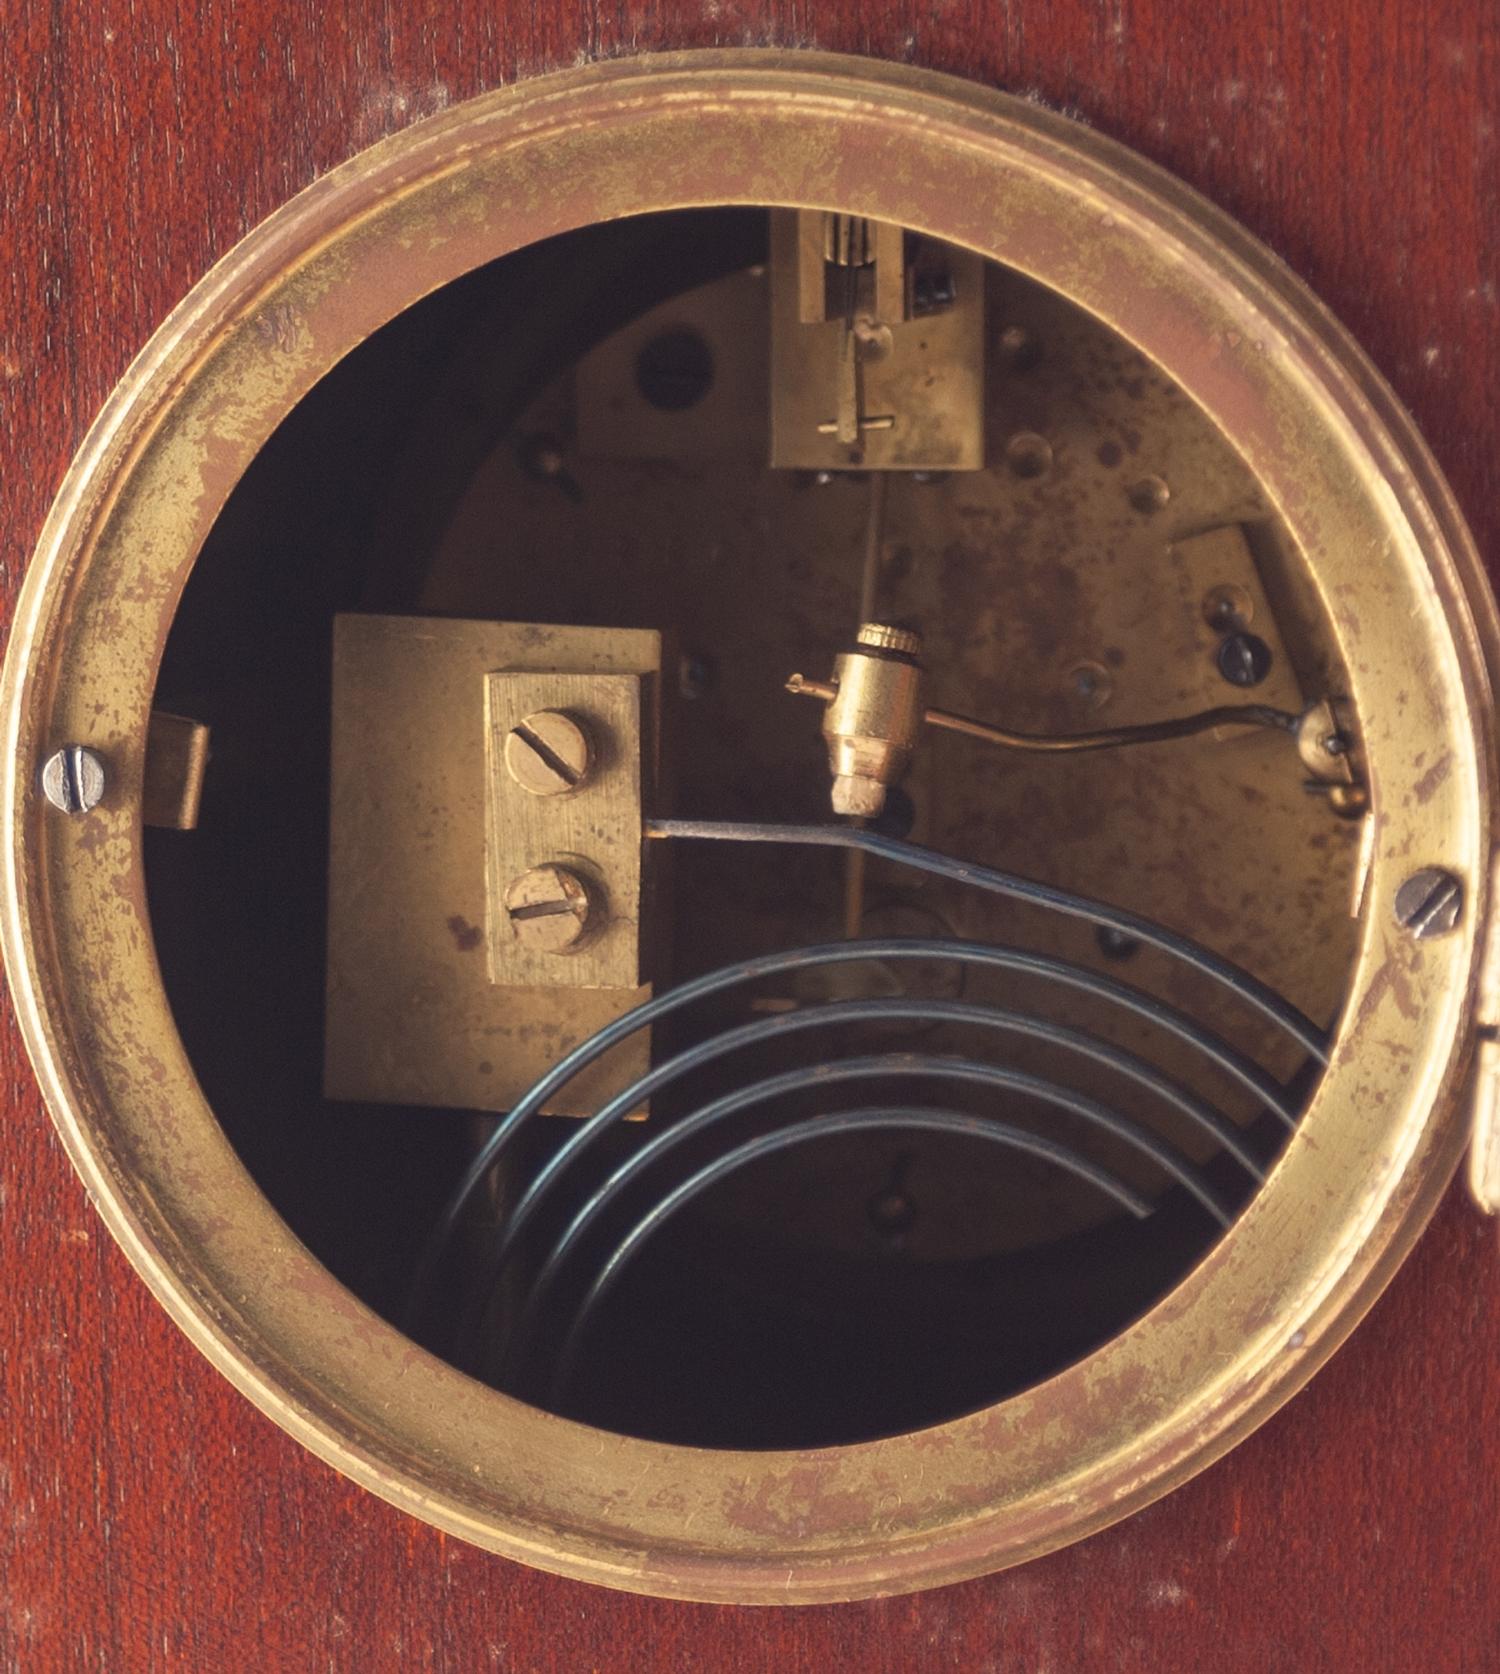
549,909
1244,659
547,753
1430,903
73,779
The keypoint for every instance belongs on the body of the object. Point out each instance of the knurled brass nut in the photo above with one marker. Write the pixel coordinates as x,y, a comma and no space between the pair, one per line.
548,753
884,636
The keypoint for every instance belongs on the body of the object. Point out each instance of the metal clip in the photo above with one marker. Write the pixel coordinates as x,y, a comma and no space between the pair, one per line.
1484,1146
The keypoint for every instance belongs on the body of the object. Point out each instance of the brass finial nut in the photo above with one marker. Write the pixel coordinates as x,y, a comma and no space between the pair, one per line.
882,636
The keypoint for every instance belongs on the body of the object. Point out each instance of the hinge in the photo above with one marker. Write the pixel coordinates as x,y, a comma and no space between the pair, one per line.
1484,1146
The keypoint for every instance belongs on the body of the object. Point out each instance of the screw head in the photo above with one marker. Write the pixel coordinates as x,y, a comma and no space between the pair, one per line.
1430,903
550,909
1244,659
1115,944
73,779
1091,684
542,457
547,753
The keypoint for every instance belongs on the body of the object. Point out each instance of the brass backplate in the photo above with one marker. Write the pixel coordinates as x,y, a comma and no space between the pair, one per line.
1068,587
412,1014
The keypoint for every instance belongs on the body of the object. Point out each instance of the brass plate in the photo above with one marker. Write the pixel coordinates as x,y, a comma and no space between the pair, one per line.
616,422
413,1016
1333,453
1023,583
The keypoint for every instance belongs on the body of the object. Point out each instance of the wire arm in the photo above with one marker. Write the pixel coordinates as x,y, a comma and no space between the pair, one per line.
1075,743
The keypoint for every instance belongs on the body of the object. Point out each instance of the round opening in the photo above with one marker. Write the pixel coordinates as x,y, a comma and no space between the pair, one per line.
536,444
674,371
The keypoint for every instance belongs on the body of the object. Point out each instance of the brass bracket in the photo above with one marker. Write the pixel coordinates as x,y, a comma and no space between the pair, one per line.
1484,1105
877,352
1223,602
176,760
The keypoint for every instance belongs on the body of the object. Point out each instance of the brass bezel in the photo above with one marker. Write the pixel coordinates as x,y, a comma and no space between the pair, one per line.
1234,329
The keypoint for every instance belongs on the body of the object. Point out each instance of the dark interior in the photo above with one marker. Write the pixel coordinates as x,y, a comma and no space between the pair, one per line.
795,1305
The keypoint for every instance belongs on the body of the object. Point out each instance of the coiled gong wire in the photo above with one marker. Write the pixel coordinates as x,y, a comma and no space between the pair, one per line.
887,1072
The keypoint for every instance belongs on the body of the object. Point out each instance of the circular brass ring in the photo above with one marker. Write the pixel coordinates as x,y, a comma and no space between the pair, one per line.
1365,506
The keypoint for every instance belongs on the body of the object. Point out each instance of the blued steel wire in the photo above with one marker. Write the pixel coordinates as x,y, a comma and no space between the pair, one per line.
799,1133
1255,993
1045,966
765,1031
893,1066
1233,1063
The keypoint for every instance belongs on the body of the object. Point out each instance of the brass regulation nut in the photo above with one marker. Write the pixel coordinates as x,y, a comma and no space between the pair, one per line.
550,909
872,723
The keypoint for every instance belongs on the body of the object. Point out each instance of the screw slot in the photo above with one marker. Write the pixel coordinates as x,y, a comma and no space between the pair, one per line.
1244,659
550,909
73,779
548,753
1430,903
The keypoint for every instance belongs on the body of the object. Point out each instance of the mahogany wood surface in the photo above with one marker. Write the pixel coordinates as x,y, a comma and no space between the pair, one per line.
149,1517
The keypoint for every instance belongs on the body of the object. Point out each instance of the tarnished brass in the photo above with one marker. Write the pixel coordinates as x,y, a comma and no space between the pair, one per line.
431,999
1378,545
1484,1151
861,376
873,717
176,761
592,834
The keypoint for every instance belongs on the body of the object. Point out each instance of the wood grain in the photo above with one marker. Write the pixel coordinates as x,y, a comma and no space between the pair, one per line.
149,1518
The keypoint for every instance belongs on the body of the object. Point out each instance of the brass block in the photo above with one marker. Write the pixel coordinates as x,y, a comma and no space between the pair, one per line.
172,782
412,1014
